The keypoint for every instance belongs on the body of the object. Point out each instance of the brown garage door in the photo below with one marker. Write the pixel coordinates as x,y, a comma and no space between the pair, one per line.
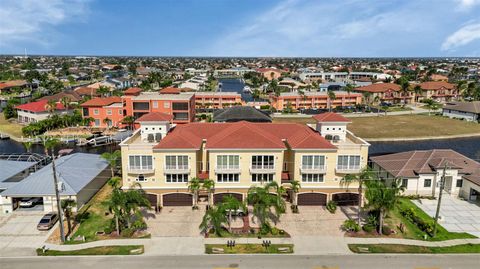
218,198
177,199
312,198
346,198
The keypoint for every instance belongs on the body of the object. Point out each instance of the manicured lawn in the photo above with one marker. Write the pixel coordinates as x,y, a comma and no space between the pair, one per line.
106,250
394,219
249,249
12,129
394,248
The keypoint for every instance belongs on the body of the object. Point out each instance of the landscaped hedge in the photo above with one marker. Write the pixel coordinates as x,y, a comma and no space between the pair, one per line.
425,226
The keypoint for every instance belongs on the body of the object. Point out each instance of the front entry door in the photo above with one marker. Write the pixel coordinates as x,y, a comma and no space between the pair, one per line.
448,184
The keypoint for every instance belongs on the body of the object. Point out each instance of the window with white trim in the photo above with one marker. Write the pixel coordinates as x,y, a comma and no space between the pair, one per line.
348,162
109,112
226,162
262,178
96,111
313,162
176,162
176,178
226,178
140,162
312,178
155,104
263,162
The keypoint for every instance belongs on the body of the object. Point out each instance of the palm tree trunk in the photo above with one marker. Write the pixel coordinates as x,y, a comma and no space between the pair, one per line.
230,221
69,224
116,225
359,201
380,221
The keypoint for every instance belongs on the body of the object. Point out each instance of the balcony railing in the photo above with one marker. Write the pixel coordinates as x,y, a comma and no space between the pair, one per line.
320,169
227,169
140,169
345,169
176,169
262,169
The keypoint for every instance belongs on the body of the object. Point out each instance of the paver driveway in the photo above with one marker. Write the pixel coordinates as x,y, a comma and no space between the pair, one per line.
19,235
175,221
456,215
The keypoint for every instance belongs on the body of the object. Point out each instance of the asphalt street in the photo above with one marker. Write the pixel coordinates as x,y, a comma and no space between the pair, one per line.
248,261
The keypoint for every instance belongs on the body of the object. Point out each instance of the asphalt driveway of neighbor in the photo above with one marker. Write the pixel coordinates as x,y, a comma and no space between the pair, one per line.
456,215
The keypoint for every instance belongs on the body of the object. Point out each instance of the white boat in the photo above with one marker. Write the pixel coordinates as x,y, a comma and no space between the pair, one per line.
247,89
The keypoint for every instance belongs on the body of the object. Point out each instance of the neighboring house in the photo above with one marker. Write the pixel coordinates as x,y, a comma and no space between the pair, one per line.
240,113
87,91
437,77
386,92
438,90
121,82
6,86
217,100
37,111
101,108
232,72
270,73
80,176
241,154
342,76
196,83
73,96
315,100
421,170
291,84
469,111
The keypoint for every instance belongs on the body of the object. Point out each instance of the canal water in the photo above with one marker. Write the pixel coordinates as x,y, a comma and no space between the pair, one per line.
236,85
11,146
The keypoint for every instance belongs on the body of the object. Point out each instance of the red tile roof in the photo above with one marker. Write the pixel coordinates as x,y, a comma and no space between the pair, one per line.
330,117
86,91
436,85
39,106
379,87
244,135
105,101
170,90
132,91
12,83
155,116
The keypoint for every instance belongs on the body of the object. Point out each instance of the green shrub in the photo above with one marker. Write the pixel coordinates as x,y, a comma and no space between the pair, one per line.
368,228
350,225
127,232
332,206
411,216
386,230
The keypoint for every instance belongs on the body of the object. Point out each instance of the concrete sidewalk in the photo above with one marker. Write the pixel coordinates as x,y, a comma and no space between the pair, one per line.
447,243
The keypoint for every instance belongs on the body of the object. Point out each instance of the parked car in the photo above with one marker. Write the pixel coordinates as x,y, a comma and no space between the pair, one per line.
29,202
239,212
47,221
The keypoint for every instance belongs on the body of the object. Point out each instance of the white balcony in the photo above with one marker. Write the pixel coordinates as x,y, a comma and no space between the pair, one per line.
137,170
224,169
262,169
348,169
176,169
322,169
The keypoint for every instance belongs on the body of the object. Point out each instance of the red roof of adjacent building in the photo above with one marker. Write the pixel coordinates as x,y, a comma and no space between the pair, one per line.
155,116
170,90
105,101
38,106
379,87
12,83
244,135
436,85
86,91
330,117
132,91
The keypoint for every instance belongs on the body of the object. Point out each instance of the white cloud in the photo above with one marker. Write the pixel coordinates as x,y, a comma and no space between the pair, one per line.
466,5
462,36
35,20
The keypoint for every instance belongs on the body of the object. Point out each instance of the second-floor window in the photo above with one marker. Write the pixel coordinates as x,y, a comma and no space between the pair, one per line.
262,162
228,162
176,162
224,178
96,112
312,178
176,178
313,162
262,178
109,112
140,162
180,106
155,104
348,162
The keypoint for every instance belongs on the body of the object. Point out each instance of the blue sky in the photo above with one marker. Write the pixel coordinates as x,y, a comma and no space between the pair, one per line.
317,28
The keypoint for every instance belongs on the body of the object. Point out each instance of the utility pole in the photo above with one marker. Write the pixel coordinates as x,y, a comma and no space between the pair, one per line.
57,196
442,185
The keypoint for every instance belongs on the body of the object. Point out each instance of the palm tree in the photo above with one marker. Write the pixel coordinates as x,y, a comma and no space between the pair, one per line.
229,205
263,202
214,218
194,186
382,198
294,188
129,121
65,101
331,97
365,175
209,186
431,105
112,159
107,122
28,145
51,106
67,205
87,121
418,92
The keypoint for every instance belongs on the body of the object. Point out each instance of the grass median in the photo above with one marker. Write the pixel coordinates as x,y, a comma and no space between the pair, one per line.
248,249
105,250
396,248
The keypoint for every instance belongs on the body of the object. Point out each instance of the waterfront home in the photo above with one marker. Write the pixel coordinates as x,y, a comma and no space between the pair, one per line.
217,100
270,73
241,154
80,176
310,99
469,111
72,96
39,110
421,170
342,76
386,92
439,91
105,111
7,86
